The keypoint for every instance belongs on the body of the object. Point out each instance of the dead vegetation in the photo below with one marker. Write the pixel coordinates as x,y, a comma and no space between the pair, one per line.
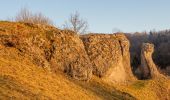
26,16
76,24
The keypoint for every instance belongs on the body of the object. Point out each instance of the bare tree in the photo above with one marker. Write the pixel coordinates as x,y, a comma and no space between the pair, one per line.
76,23
28,17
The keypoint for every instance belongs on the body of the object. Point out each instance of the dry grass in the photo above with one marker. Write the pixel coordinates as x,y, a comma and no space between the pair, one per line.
21,79
157,89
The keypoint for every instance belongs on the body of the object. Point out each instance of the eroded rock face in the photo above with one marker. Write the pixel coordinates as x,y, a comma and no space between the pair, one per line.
109,54
70,56
47,47
148,67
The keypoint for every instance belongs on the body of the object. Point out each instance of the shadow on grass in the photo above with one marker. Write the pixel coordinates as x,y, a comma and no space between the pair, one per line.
104,92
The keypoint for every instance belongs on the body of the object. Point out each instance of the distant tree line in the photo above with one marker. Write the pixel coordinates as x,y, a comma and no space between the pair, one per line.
161,41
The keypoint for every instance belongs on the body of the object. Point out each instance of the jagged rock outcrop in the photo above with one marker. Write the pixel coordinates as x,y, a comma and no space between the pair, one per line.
148,67
109,54
68,51
47,47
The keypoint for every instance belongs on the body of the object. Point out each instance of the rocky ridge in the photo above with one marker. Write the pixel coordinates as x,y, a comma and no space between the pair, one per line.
47,47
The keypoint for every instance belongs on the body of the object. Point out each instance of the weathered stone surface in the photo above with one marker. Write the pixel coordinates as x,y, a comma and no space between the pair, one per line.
109,54
148,67
70,56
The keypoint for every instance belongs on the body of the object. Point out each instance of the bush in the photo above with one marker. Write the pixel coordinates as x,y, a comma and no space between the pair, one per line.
27,16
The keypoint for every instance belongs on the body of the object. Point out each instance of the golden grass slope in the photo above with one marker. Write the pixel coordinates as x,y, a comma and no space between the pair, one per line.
157,89
21,79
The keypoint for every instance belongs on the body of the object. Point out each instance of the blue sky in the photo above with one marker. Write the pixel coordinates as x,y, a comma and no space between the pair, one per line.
102,15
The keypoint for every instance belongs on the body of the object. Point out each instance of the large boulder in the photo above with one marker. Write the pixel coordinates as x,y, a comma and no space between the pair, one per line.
109,54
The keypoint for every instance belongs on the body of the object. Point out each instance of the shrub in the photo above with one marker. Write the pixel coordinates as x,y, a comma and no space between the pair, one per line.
27,16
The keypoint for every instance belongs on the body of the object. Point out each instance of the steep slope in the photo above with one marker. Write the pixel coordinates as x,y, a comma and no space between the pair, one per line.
22,79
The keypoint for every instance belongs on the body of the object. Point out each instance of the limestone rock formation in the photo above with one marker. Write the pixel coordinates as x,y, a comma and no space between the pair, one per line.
47,47
70,56
148,67
109,54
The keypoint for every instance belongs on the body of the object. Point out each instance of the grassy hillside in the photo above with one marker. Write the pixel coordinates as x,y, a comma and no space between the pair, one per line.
21,77
23,80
